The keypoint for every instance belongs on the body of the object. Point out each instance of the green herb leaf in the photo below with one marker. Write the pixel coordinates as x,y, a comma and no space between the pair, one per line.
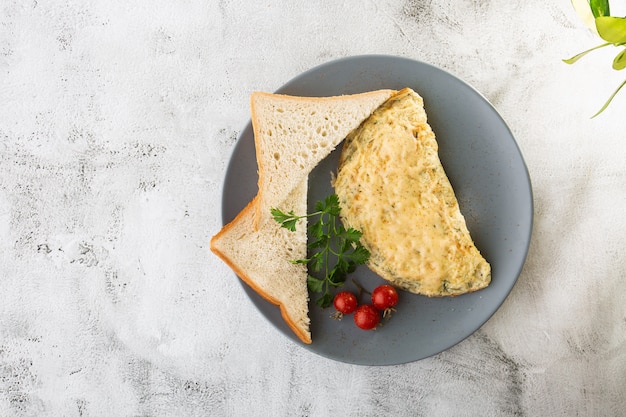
599,7
286,220
346,245
325,300
290,224
314,284
319,243
317,230
342,264
612,29
351,235
279,216
619,63
332,205
316,262
360,255
337,277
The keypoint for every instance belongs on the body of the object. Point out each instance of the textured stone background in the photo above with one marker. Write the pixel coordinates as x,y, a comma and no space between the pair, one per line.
117,120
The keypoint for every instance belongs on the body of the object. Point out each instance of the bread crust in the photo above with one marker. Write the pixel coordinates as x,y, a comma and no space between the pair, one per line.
303,335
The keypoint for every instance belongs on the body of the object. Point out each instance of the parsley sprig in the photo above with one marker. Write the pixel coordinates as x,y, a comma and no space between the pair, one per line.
333,249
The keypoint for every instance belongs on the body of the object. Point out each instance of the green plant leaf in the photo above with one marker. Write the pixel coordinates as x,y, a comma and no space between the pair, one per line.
319,205
342,264
360,255
600,8
582,54
612,29
610,99
319,243
316,229
316,262
279,216
314,284
619,63
337,276
584,12
286,220
351,235
325,300
290,224
331,204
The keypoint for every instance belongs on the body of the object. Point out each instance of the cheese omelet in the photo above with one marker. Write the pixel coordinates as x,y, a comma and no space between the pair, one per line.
393,188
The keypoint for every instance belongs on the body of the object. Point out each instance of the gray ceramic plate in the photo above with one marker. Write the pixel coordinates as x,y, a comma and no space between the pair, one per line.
491,182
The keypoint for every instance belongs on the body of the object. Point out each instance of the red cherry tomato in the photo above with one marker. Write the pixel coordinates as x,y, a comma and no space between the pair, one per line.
384,297
366,317
345,302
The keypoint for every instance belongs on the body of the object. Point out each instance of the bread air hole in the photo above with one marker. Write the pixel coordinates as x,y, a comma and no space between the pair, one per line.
295,161
276,156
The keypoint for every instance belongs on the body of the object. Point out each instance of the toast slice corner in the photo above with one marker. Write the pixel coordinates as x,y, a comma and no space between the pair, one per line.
293,134
262,259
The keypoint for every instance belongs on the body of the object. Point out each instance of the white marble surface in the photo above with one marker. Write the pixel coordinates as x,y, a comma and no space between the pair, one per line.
117,120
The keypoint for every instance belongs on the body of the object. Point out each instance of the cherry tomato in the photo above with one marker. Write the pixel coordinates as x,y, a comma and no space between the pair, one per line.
366,317
345,302
384,297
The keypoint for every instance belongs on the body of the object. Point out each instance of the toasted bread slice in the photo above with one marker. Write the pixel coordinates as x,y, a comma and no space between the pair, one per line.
393,188
263,258
293,134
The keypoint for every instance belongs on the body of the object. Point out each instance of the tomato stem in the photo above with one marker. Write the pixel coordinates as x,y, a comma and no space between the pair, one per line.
360,287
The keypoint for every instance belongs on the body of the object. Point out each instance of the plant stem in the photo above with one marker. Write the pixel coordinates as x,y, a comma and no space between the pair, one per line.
609,100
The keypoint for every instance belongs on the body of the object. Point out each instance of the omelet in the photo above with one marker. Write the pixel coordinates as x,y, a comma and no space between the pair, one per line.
393,188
